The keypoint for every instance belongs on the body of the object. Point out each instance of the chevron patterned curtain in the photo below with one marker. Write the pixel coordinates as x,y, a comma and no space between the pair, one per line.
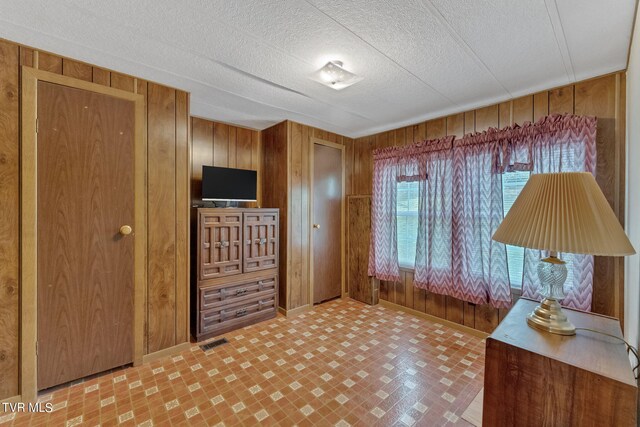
479,263
563,144
383,247
433,263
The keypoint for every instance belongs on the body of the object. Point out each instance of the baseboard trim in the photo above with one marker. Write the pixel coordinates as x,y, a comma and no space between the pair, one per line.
12,399
449,323
165,352
294,311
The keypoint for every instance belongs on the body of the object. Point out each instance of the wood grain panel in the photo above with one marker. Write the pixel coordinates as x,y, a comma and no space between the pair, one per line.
122,81
182,183
359,218
9,218
523,109
201,153
162,216
540,105
26,55
598,97
77,70
221,145
274,159
49,62
84,329
101,76
243,147
298,183
9,165
561,100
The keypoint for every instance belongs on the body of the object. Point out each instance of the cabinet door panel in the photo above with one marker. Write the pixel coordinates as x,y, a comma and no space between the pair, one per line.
260,241
221,244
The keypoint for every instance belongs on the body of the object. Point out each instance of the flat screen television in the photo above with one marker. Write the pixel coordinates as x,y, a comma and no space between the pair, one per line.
228,184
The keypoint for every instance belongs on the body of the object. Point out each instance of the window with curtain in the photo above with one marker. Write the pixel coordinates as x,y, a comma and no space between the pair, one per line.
442,226
512,185
407,219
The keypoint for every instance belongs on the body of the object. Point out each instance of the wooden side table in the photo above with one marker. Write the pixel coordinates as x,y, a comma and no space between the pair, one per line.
533,378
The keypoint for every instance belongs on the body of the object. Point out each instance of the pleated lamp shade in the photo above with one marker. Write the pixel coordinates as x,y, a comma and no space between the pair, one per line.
564,212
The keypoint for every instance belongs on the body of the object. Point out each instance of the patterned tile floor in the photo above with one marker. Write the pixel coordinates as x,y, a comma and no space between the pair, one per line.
343,363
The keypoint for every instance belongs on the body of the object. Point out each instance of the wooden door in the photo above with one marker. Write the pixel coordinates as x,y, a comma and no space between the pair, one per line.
85,181
327,222
260,240
221,251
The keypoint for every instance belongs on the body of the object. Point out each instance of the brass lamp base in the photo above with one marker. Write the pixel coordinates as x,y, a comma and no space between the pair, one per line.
548,317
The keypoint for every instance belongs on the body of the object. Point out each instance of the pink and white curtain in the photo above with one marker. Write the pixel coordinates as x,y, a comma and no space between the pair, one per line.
391,166
480,263
461,206
433,264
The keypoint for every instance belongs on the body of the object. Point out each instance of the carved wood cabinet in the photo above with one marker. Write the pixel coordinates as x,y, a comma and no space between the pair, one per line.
236,277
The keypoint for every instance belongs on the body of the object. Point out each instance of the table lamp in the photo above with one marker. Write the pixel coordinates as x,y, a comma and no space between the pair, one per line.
561,212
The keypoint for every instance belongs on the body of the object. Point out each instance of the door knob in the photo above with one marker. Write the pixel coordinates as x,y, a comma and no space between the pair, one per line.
125,230
316,225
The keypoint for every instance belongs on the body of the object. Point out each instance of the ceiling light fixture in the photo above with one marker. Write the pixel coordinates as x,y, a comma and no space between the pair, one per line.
335,76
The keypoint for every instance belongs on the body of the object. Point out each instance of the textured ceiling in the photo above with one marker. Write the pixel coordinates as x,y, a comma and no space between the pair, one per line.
248,62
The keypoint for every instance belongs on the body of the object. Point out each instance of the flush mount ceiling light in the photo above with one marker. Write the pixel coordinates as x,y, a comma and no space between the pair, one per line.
335,76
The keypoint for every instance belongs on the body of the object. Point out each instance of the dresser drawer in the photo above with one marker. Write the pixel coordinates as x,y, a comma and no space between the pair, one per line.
219,295
238,313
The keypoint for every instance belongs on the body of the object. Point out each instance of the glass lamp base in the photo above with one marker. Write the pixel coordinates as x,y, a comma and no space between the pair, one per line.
548,316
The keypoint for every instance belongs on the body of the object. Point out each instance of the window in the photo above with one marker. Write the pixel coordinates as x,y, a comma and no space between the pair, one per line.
512,185
407,215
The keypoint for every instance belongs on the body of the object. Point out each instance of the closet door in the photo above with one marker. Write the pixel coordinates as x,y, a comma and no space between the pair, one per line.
327,222
85,252
221,252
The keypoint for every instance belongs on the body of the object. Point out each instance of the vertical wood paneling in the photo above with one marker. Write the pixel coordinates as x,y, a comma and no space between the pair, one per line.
221,144
561,100
101,76
523,110
598,98
26,56
168,145
9,218
201,153
124,82
296,274
49,62
77,70
162,216
540,105
602,97
243,146
274,170
183,170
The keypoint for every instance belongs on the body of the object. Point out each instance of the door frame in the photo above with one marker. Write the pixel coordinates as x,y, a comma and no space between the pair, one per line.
314,141
29,222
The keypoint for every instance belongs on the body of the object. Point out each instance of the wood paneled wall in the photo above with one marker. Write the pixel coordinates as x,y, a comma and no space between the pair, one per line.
603,97
167,115
285,165
220,144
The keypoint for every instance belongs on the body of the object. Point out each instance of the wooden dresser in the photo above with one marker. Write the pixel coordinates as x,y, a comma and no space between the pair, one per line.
534,378
235,272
